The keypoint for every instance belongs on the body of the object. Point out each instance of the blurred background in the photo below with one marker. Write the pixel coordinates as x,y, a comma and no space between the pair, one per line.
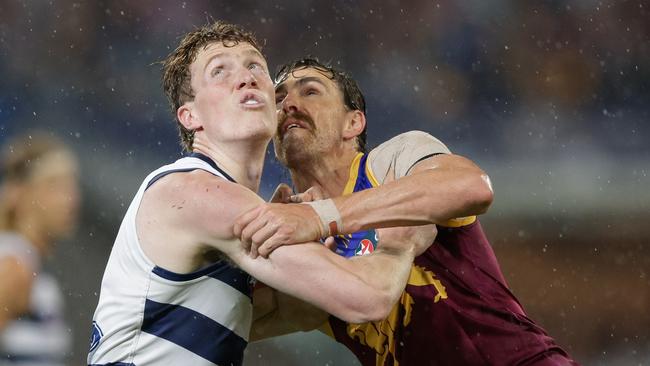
551,98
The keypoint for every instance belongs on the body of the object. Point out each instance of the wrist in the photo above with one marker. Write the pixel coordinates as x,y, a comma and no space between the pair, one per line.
329,217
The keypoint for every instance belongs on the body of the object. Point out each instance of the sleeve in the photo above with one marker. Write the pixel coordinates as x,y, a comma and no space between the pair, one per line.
400,153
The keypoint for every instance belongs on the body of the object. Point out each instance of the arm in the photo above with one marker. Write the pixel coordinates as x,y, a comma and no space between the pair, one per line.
185,214
435,190
357,290
431,191
15,287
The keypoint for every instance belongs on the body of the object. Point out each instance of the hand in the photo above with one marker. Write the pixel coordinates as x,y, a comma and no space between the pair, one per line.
416,238
271,225
312,194
282,194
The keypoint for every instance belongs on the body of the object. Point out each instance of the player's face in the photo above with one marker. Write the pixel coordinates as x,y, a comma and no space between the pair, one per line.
233,92
54,194
311,114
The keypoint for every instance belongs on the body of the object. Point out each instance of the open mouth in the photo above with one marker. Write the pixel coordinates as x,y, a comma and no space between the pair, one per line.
250,99
291,123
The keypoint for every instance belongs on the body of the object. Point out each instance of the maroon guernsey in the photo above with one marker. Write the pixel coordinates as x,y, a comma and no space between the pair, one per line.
456,308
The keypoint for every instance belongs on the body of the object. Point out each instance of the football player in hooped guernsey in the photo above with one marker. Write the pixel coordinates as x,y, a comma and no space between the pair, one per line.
177,285
456,308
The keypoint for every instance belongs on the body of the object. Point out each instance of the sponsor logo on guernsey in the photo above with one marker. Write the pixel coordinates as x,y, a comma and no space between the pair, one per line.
95,336
368,243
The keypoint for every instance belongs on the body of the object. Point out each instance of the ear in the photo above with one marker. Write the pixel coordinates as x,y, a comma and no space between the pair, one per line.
355,124
188,117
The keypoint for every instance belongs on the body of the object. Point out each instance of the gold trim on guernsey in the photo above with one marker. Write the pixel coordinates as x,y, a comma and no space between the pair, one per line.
354,175
461,221
380,335
371,175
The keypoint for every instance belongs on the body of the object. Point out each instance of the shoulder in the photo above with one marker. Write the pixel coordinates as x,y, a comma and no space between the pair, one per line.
394,158
198,198
411,139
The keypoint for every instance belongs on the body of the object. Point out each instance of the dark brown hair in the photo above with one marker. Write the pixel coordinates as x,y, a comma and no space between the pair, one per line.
352,95
176,76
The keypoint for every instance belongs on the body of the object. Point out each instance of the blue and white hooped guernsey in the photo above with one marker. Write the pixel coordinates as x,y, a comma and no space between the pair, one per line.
40,337
150,316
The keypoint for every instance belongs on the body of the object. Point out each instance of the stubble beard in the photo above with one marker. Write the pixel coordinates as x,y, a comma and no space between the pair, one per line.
296,153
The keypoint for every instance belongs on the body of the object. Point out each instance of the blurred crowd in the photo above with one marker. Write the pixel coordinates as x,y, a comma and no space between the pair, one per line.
495,78
505,82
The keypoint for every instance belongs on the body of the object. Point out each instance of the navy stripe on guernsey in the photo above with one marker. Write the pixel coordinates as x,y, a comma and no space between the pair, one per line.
188,328
222,271
192,155
194,332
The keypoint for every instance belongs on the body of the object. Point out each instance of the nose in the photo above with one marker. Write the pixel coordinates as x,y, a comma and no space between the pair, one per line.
247,79
289,104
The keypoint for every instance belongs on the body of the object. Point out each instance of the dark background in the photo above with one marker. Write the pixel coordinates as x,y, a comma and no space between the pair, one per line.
551,98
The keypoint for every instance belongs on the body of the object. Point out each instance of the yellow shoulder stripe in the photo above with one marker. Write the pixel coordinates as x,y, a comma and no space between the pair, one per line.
354,174
461,221
371,175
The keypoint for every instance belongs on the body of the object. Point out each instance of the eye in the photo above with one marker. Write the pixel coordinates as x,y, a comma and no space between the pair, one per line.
256,66
279,98
311,91
217,70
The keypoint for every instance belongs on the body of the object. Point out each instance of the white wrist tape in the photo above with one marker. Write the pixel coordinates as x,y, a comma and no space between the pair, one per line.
330,217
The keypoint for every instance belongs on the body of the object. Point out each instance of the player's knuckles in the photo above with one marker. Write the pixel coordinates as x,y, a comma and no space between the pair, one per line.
256,241
236,228
265,210
247,234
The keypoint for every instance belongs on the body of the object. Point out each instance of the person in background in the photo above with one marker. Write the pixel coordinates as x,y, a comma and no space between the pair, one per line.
39,204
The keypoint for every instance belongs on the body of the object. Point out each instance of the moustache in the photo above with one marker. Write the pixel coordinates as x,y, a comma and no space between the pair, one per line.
297,115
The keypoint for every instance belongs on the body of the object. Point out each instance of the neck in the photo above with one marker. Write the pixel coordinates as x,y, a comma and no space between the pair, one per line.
329,172
34,233
242,161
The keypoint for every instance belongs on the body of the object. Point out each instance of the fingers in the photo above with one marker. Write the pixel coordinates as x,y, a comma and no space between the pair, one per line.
312,194
243,221
282,194
330,243
270,245
271,225
254,228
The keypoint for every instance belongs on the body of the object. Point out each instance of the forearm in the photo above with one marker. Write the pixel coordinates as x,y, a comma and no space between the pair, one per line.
357,290
431,196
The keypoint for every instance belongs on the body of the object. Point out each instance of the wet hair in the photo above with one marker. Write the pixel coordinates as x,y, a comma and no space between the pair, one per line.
176,78
352,95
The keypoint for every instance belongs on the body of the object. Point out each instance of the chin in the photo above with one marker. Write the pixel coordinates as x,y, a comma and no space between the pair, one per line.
292,153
